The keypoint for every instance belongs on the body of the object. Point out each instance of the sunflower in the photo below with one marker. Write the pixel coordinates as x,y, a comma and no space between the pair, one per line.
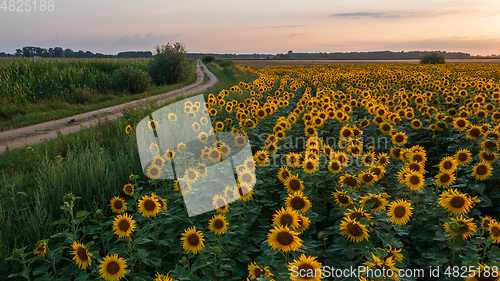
414,180
481,271
298,202
463,157
128,189
448,164
307,268
181,147
461,124
128,129
378,202
224,149
367,177
261,157
455,202
304,223
383,159
342,198
482,170
158,161
169,154
286,218
399,138
474,132
415,166
220,204
172,117
161,277
420,156
283,174
310,166
400,212
214,154
357,214
334,166
284,239
494,229
123,225
240,140
191,175
255,271
486,156
118,205
192,240
416,124
247,177
368,159
310,131
489,144
386,264
41,248
485,222
148,206
465,226
112,268
294,184
349,180
245,191
218,224
293,160
355,231
445,179
153,172
153,125
396,153
202,137
154,148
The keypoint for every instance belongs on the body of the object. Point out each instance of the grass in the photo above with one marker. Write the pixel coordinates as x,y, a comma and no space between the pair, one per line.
22,115
94,163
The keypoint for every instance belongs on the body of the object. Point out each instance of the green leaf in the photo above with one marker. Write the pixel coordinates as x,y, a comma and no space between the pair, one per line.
153,259
63,221
41,269
485,201
478,187
82,213
82,276
15,275
22,193
199,264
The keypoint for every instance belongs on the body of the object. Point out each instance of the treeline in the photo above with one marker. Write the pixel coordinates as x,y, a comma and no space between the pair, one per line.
58,52
336,55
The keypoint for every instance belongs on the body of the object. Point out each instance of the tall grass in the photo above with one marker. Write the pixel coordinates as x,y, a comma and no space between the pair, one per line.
30,80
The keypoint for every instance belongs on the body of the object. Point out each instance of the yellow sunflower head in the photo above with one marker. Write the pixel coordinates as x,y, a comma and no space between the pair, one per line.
192,240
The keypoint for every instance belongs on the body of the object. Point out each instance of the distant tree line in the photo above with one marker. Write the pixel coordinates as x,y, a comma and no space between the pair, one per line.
337,55
58,52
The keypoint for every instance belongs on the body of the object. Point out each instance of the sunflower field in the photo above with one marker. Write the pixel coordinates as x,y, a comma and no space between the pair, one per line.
366,172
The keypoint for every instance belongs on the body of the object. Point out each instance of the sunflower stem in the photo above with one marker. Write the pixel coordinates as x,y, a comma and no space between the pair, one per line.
26,268
52,262
129,239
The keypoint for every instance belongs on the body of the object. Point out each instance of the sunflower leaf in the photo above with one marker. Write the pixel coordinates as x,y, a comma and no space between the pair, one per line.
82,213
63,221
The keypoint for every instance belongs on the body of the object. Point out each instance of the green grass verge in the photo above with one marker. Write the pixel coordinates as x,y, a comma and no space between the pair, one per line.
94,163
48,111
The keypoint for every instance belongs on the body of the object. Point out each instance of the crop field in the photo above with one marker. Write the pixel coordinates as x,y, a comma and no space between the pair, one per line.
358,172
34,80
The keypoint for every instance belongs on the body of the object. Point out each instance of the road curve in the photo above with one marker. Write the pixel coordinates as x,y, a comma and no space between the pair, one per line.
48,130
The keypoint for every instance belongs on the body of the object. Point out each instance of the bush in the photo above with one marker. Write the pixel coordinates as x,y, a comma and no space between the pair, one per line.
170,64
207,59
129,79
433,58
224,62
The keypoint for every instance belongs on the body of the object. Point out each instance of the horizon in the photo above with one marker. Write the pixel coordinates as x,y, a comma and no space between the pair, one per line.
264,27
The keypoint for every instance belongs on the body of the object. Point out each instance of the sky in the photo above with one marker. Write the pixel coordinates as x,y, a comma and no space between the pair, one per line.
258,26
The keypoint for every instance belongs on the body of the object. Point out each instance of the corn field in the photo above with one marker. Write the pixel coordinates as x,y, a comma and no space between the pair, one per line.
25,80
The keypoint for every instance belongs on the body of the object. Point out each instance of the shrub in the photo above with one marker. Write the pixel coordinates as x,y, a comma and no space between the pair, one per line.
433,58
129,79
224,62
170,64
207,59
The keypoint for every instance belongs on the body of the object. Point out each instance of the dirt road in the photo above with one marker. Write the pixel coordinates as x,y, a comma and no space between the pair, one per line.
45,131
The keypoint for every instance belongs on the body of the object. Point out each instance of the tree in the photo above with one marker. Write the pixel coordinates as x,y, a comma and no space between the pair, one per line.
57,52
170,64
68,53
208,58
433,58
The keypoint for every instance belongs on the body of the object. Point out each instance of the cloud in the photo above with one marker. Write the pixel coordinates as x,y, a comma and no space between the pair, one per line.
365,15
148,40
